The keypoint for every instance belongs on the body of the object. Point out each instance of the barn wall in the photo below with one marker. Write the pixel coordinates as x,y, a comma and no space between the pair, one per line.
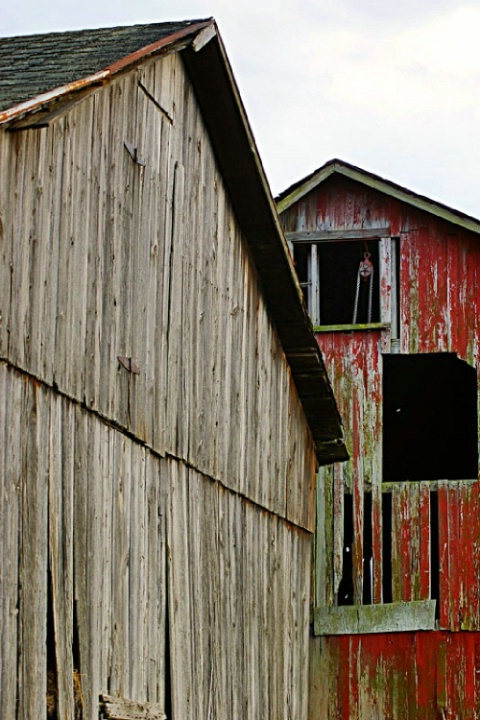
156,525
400,676
125,539
406,674
439,264
102,257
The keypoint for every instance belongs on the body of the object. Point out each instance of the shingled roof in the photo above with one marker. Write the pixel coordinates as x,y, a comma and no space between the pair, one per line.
40,72
34,64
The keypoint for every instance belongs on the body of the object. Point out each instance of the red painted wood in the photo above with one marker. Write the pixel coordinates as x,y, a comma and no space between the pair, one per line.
426,646
470,524
405,546
343,672
476,642
424,521
377,542
439,312
444,555
456,557
397,676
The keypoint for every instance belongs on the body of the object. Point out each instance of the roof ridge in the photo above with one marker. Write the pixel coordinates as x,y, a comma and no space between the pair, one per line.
300,188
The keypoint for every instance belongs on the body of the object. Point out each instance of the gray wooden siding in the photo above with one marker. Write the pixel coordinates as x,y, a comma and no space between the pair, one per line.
130,537
102,257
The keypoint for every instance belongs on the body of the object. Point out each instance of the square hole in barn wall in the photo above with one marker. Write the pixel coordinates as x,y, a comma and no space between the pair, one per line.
429,418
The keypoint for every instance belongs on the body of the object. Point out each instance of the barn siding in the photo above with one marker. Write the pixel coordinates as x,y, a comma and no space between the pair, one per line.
149,263
439,312
170,511
400,676
130,536
408,674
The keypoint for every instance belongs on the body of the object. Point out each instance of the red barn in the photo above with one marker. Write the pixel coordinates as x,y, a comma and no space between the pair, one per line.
390,279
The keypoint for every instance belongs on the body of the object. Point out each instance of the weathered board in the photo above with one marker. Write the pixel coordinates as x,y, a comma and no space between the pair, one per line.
113,708
102,257
157,481
438,309
401,676
424,535
162,585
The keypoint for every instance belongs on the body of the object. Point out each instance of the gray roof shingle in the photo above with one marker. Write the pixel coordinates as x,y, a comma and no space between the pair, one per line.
34,64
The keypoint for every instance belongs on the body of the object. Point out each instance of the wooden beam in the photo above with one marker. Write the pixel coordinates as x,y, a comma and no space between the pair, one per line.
350,328
337,235
115,708
204,37
362,619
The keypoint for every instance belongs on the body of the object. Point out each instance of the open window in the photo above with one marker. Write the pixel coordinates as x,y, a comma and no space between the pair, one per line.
429,418
340,281
429,435
341,273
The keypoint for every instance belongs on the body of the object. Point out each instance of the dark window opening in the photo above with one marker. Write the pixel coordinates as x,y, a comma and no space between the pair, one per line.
434,554
367,550
302,255
387,547
429,418
329,276
345,590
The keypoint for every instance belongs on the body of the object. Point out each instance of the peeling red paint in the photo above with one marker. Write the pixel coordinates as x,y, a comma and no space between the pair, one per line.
433,674
402,676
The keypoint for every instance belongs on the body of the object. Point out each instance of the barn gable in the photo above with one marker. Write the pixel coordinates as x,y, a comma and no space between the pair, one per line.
234,148
396,565
163,406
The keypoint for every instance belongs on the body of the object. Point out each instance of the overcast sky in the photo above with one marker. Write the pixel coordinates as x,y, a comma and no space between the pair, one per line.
391,87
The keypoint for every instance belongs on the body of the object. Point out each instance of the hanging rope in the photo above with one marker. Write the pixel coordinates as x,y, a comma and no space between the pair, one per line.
365,275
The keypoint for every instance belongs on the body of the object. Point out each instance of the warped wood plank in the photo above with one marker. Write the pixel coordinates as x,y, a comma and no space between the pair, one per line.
122,709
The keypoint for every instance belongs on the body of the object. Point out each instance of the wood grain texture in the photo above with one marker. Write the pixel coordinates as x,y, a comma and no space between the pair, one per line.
115,708
423,675
129,535
411,675
108,258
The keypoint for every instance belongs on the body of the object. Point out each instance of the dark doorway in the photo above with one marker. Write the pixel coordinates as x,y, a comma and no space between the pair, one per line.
429,418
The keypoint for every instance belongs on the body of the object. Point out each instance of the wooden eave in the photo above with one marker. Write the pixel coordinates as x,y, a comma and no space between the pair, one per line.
421,202
232,140
254,207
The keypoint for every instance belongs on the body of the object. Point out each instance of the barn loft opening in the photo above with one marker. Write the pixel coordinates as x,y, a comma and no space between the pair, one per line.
429,418
337,290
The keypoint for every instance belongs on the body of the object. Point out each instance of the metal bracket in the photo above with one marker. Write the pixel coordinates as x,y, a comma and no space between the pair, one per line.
128,364
133,152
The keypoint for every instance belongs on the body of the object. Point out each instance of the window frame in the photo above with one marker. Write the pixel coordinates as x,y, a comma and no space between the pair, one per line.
388,271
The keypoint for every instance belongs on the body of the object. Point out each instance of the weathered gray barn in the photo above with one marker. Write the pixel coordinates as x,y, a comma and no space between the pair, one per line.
163,402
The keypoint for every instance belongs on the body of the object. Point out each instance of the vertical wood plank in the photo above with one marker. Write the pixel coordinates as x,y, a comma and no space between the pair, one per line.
60,525
11,493
156,602
33,557
444,555
425,541
179,593
455,550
